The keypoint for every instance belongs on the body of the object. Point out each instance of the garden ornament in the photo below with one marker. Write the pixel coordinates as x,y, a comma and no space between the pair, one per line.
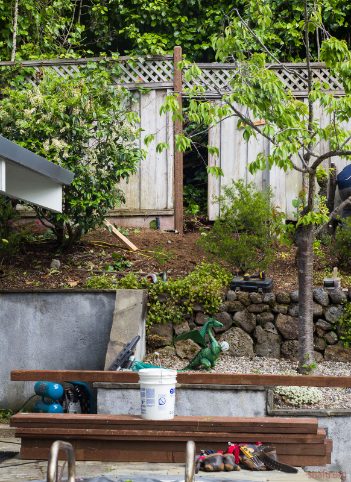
202,336
211,349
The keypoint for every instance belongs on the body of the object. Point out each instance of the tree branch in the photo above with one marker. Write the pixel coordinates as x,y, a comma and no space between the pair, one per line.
266,49
14,35
328,155
334,214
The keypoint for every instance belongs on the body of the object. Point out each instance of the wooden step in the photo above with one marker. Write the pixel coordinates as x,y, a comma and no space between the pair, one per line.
138,451
192,423
298,441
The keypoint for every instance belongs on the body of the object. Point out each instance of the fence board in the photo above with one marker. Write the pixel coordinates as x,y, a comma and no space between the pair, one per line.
151,188
235,155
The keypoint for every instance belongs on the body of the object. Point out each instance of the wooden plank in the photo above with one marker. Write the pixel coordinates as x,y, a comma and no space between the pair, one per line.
120,236
197,423
133,451
170,158
152,435
214,183
131,186
147,181
200,378
287,431
178,156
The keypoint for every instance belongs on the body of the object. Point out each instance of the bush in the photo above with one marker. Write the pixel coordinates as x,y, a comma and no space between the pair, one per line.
342,244
247,230
173,300
83,123
343,325
10,236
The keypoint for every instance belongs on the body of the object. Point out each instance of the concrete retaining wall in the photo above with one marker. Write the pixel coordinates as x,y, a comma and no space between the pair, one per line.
58,331
206,400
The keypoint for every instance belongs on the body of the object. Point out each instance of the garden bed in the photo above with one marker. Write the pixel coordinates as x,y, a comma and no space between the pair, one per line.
100,251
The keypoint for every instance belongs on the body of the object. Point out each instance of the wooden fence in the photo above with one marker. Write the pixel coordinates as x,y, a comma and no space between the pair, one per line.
157,188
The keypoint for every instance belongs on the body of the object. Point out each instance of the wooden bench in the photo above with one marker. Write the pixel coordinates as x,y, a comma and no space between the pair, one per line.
126,438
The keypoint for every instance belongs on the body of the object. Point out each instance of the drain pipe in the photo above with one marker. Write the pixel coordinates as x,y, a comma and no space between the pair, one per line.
53,461
190,461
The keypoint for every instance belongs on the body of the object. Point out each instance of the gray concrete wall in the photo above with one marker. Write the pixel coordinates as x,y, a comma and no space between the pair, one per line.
203,400
55,330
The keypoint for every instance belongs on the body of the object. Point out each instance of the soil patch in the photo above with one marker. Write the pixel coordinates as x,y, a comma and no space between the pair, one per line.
97,252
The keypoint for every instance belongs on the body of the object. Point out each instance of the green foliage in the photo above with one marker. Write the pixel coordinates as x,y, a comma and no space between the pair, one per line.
5,415
161,255
119,263
101,282
172,300
343,326
342,245
84,124
247,230
10,235
57,27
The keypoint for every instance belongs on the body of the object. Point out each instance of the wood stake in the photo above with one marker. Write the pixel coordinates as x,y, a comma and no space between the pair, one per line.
120,236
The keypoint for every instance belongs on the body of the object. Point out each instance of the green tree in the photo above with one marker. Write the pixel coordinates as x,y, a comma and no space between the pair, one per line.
291,126
47,28
37,28
83,123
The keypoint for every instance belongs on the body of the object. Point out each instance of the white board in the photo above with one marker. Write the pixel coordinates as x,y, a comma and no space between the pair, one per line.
2,175
27,185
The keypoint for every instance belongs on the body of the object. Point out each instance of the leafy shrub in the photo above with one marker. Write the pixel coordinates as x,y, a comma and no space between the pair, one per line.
342,244
247,229
5,415
10,236
83,123
343,326
298,396
172,300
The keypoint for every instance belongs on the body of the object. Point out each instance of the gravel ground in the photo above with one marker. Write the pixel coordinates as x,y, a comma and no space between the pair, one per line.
332,398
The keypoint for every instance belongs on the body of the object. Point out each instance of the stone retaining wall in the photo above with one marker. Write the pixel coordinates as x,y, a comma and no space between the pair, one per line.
265,325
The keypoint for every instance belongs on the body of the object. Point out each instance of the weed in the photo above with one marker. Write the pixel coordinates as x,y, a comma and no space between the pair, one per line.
162,256
119,263
5,415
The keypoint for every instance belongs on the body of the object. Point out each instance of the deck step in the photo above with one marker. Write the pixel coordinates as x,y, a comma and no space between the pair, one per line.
126,438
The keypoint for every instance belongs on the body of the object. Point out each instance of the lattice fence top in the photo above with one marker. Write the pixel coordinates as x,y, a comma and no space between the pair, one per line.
215,78
157,72
149,72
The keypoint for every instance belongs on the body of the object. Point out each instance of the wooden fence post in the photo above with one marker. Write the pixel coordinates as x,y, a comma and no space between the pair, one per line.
178,156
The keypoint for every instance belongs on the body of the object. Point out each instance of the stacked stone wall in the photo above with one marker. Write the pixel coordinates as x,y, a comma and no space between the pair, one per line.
257,324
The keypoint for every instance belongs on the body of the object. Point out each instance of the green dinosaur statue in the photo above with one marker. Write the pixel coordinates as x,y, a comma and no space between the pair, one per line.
207,357
202,336
211,349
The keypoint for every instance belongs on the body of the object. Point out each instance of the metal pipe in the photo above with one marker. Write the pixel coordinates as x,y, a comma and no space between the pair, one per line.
190,461
52,472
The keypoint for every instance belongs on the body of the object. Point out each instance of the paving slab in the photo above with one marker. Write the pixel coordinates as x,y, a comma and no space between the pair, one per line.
17,470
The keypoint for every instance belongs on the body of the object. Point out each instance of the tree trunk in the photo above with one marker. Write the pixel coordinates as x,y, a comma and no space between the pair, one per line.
14,35
305,277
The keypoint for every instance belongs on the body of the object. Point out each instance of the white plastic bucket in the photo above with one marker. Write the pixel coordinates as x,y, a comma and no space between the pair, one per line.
157,393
